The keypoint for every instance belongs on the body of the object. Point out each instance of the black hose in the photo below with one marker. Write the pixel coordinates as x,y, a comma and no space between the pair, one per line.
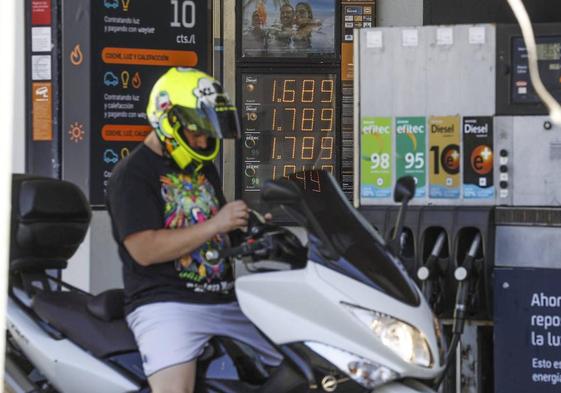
464,287
453,347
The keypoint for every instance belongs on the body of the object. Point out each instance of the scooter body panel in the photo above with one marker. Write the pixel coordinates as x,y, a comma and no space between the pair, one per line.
66,366
397,387
305,306
364,296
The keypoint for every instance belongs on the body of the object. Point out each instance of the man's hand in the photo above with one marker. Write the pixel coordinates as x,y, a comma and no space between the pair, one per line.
232,216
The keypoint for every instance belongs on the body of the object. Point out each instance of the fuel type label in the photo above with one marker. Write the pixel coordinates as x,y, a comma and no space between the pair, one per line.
376,157
444,157
478,157
410,149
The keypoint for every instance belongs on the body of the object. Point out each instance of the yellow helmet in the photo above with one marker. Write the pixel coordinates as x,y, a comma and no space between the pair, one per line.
189,100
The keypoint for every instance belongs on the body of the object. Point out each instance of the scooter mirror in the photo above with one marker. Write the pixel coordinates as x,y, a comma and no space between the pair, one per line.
280,191
404,189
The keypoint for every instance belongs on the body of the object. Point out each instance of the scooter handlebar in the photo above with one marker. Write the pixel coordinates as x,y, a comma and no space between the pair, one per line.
244,249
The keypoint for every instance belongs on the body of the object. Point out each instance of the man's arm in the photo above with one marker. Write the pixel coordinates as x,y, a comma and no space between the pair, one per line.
162,245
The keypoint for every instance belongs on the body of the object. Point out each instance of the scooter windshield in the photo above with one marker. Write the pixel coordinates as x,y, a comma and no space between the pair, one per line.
343,240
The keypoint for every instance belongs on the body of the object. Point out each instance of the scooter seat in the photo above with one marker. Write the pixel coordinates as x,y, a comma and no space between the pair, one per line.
68,313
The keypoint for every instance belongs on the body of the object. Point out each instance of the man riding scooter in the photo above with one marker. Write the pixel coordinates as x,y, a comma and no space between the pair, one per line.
168,212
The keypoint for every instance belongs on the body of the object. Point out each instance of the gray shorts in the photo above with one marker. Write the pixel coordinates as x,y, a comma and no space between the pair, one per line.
169,334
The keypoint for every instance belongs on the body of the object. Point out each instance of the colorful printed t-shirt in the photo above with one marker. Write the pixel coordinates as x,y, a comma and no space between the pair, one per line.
146,191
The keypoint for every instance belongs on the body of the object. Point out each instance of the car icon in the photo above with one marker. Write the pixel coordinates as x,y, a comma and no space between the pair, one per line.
110,157
111,3
110,79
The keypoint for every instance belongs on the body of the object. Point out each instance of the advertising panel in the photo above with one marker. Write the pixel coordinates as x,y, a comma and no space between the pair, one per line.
112,53
288,29
527,330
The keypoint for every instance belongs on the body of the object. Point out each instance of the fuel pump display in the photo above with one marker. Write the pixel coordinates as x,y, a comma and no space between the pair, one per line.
288,124
549,63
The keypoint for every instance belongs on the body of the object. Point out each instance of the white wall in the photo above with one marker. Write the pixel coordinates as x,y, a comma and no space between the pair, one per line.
96,266
18,143
8,23
399,13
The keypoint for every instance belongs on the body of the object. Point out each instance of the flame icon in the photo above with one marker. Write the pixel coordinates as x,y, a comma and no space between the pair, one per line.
125,77
126,4
380,142
413,138
136,81
125,152
76,56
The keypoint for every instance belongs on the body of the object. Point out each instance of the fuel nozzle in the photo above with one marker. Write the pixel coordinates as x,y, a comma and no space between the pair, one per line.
431,274
463,274
427,270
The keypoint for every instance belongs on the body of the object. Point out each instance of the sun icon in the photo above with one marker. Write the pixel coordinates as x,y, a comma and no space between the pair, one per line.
76,132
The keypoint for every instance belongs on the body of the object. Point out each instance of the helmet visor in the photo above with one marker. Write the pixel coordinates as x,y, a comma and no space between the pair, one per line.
220,121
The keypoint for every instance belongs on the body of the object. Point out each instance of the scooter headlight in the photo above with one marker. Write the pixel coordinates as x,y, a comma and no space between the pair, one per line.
405,340
366,372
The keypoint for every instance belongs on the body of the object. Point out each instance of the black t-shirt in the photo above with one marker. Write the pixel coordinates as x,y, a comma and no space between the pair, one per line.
147,191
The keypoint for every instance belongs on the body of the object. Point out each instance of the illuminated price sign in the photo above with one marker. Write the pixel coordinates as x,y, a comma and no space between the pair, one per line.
289,124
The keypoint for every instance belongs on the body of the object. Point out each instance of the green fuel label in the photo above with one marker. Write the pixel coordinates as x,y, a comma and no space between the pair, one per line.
376,157
411,137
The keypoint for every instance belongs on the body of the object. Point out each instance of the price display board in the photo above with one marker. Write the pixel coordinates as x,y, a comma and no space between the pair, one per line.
289,124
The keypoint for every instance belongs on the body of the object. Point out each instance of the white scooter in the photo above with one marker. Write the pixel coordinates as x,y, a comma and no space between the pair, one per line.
343,312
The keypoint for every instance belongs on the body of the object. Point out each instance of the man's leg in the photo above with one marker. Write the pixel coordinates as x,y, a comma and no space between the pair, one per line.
174,379
229,320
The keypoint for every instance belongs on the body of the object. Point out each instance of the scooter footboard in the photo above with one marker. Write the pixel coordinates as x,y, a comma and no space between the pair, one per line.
404,387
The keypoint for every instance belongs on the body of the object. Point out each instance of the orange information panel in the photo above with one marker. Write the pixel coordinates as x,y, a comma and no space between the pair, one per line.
153,57
347,66
42,111
125,133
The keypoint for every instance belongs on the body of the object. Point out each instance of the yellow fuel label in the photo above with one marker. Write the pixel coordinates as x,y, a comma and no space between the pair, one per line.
444,157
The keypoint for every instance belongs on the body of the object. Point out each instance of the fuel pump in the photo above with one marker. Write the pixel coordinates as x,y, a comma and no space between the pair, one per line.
466,276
